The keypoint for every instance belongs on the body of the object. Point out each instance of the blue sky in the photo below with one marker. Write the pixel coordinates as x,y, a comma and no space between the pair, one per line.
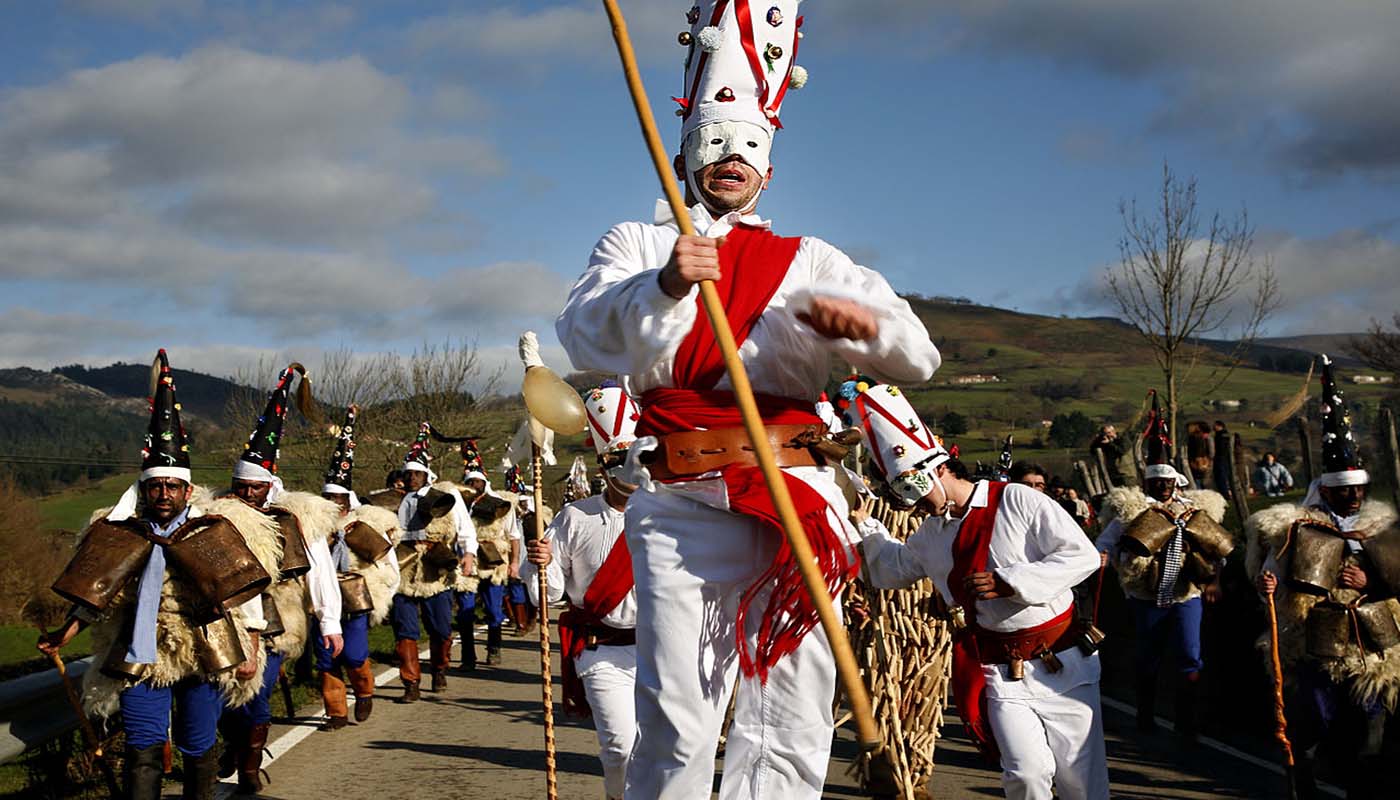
237,180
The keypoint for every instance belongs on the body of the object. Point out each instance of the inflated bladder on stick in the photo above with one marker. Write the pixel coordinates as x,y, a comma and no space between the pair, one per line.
550,400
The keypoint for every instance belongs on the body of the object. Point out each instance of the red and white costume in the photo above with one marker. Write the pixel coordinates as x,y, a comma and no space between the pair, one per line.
592,564
1047,725
716,586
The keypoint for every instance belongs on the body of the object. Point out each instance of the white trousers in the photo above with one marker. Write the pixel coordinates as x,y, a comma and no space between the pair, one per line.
1051,746
692,562
609,677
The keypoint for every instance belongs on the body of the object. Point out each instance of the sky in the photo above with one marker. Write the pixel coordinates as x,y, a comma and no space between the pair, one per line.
241,181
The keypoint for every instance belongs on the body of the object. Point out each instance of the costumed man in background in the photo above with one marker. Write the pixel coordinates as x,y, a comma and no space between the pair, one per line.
162,641
438,545
368,573
498,550
1169,550
586,556
1334,565
718,591
305,580
518,606
1006,559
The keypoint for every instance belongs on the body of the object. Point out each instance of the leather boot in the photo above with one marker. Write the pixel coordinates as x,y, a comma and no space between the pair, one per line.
1186,690
1147,703
232,751
493,646
410,693
250,765
440,656
145,772
200,776
409,668
362,681
334,699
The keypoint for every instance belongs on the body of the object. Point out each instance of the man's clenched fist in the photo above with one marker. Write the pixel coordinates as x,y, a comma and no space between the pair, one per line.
693,259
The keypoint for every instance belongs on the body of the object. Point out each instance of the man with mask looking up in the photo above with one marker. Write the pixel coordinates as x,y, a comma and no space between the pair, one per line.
718,592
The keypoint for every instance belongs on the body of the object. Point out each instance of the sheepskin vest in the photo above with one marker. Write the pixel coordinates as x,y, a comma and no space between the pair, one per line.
380,576
418,577
1137,573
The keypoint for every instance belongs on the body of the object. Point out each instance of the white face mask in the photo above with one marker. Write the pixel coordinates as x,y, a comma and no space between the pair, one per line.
720,140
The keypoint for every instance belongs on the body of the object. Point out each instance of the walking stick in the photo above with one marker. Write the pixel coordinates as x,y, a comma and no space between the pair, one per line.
85,724
1280,720
846,668
546,681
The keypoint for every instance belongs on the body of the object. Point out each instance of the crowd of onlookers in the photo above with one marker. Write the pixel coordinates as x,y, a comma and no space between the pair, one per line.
1036,477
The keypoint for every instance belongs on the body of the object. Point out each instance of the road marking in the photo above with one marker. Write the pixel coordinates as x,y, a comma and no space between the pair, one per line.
301,729
1216,744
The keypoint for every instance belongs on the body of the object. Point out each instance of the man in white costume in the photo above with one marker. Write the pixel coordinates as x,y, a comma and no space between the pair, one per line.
587,556
717,588
1006,559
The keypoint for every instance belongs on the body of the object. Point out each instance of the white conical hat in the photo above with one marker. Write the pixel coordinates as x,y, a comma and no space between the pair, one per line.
900,443
739,62
612,419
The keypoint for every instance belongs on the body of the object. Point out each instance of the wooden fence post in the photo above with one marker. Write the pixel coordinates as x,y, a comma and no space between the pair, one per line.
1392,453
1087,478
1305,443
1102,464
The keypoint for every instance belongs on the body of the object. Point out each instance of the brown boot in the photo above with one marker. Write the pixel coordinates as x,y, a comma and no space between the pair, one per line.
333,724
493,646
440,653
362,681
409,668
410,693
250,765
333,693
439,681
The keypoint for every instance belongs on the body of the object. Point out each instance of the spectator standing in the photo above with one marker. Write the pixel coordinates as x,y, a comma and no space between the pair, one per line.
1107,441
1199,450
1223,448
1272,478
1029,473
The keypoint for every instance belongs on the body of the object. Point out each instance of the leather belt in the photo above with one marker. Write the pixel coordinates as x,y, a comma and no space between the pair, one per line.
607,636
686,454
1016,647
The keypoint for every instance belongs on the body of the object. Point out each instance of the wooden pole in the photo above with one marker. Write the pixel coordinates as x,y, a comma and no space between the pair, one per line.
1280,718
1392,458
546,669
1102,463
1305,446
85,724
846,669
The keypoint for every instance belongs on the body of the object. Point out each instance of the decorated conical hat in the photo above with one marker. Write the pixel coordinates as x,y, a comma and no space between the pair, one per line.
1341,462
166,452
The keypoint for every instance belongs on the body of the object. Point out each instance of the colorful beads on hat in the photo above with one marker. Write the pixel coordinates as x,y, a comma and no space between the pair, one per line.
710,38
774,16
684,38
771,54
725,95
798,77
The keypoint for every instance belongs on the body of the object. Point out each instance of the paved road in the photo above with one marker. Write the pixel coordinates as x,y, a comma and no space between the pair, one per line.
483,737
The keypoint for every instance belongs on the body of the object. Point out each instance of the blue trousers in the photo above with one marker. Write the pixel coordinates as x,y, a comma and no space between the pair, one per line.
491,598
146,715
516,589
436,612
258,711
1179,624
355,631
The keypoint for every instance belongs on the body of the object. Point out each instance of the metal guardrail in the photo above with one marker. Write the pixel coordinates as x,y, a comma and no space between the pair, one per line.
34,709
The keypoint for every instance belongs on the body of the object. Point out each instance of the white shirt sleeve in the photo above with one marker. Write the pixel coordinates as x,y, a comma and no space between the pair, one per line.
558,535
617,319
1108,540
901,353
252,613
466,529
323,587
1066,555
890,563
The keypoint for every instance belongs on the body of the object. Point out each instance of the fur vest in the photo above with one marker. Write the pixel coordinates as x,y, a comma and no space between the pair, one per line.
1370,676
418,576
1136,574
176,657
380,576
493,542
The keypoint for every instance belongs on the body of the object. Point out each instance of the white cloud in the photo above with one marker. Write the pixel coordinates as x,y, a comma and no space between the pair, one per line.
1307,83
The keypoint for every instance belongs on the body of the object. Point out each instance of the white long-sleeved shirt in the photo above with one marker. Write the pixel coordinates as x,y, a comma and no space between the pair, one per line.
582,536
618,320
1036,548
322,585
461,520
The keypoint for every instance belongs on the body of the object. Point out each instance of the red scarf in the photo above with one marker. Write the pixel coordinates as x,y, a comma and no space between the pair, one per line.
609,588
753,263
969,684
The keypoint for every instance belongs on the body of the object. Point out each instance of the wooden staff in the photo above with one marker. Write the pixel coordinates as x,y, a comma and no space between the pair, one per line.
85,724
846,668
1280,720
546,678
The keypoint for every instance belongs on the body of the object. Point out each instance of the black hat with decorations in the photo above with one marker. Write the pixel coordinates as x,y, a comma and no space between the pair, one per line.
1157,444
340,475
418,458
259,459
166,453
1341,462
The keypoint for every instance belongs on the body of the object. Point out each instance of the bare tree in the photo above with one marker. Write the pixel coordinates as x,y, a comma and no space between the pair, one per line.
1380,348
1176,283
